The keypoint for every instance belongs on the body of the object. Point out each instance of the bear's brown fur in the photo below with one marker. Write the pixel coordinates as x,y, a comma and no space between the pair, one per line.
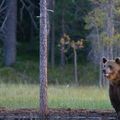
111,71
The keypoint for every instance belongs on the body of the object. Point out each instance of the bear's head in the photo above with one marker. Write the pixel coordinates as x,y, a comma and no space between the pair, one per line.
111,69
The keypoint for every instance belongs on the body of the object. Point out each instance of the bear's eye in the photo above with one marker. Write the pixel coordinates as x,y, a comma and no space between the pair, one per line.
110,66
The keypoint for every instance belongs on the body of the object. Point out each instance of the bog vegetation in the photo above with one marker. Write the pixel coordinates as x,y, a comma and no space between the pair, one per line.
73,97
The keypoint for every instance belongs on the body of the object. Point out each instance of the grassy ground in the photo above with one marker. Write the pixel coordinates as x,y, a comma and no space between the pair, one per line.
27,96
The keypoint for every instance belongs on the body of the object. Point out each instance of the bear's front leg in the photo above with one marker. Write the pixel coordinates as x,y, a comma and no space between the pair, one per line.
114,93
118,116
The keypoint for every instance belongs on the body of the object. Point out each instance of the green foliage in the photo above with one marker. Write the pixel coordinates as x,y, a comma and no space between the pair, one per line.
22,72
87,75
114,40
60,76
95,18
28,72
9,74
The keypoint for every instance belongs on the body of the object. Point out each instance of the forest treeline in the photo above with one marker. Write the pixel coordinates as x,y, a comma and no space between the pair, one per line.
21,20
78,31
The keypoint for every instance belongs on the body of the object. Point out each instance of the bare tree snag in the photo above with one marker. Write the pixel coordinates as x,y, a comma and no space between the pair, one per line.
43,57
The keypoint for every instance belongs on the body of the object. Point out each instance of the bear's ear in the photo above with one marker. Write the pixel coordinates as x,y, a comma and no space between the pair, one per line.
117,60
104,60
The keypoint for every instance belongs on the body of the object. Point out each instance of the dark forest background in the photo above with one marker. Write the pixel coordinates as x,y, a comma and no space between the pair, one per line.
80,32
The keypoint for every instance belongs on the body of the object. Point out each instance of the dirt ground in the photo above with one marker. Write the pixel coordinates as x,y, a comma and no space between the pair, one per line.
54,114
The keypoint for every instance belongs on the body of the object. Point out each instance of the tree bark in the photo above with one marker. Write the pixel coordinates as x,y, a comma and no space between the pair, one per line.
53,38
10,37
75,67
43,57
63,31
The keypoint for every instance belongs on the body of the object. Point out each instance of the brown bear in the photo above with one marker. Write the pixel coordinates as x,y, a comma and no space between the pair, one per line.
111,70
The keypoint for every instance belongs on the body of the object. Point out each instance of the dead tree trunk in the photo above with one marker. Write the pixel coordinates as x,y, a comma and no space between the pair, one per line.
43,57
75,66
